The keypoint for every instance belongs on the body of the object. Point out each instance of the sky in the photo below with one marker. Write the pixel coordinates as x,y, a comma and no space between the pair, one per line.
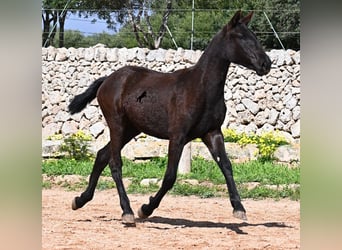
73,22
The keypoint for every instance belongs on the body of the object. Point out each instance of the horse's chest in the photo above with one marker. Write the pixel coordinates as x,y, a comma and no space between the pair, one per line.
211,117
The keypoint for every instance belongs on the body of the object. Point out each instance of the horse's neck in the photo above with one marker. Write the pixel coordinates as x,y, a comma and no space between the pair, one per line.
213,66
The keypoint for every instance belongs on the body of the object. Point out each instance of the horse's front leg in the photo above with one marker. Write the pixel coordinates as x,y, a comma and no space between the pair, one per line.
215,143
101,161
174,153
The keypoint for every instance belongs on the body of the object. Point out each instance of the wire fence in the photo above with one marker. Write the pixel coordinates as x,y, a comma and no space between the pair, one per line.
93,26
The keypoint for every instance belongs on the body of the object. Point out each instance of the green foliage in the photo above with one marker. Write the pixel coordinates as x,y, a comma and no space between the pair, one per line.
205,171
76,146
66,166
252,171
209,18
267,142
266,173
136,188
198,190
262,191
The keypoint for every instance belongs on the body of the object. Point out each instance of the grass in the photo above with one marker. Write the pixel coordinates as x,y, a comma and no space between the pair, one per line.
265,174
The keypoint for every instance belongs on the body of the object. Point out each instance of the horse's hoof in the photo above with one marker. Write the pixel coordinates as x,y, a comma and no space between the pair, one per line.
141,214
73,204
128,220
240,215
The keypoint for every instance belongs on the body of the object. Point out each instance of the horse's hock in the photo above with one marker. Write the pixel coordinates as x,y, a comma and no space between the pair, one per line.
254,103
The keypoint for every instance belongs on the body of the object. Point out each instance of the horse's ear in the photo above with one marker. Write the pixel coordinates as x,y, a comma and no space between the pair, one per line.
247,18
235,19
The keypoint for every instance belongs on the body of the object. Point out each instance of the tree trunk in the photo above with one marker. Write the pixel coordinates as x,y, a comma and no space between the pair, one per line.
61,21
46,27
49,30
149,38
54,28
162,29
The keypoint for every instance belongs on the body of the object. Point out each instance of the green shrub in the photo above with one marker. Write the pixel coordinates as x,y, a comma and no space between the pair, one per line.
76,146
267,142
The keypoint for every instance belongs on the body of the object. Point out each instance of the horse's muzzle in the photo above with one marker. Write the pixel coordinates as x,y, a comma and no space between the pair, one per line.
265,67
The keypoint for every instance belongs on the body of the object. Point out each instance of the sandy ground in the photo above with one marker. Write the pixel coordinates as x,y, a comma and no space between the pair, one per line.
178,223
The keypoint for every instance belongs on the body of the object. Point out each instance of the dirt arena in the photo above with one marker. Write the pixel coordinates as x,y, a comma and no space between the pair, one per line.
179,223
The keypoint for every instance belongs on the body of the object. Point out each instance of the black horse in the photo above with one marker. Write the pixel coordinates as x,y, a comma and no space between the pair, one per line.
178,106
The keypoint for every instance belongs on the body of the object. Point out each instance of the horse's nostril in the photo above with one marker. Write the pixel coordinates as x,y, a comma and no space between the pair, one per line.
266,65
263,65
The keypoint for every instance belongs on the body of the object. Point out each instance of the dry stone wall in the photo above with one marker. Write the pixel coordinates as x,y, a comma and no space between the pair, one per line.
254,103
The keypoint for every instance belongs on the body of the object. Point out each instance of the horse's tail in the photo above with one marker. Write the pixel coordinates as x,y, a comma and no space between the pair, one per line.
80,101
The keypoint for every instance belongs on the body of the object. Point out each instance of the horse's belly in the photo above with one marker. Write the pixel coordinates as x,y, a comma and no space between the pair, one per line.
148,116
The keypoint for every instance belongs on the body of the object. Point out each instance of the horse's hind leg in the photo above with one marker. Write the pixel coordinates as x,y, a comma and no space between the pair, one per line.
101,161
174,154
115,165
119,137
215,143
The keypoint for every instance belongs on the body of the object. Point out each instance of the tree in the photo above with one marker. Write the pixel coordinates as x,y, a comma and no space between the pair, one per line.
285,17
112,11
136,13
54,11
49,15
147,21
150,38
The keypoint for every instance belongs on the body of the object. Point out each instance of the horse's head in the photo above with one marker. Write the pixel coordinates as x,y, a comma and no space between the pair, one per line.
242,46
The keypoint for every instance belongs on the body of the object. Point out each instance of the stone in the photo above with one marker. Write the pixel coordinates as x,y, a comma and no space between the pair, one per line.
112,55
287,153
122,55
178,56
62,55
62,116
55,97
288,59
259,94
296,113
90,112
265,128
131,54
192,182
250,105
89,54
245,117
69,127
251,128
100,54
261,118
189,56
228,95
240,107
156,55
273,116
51,148
291,103
97,129
50,129
252,101
296,57
72,53
148,182
169,56
295,129
295,90
51,53
285,115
